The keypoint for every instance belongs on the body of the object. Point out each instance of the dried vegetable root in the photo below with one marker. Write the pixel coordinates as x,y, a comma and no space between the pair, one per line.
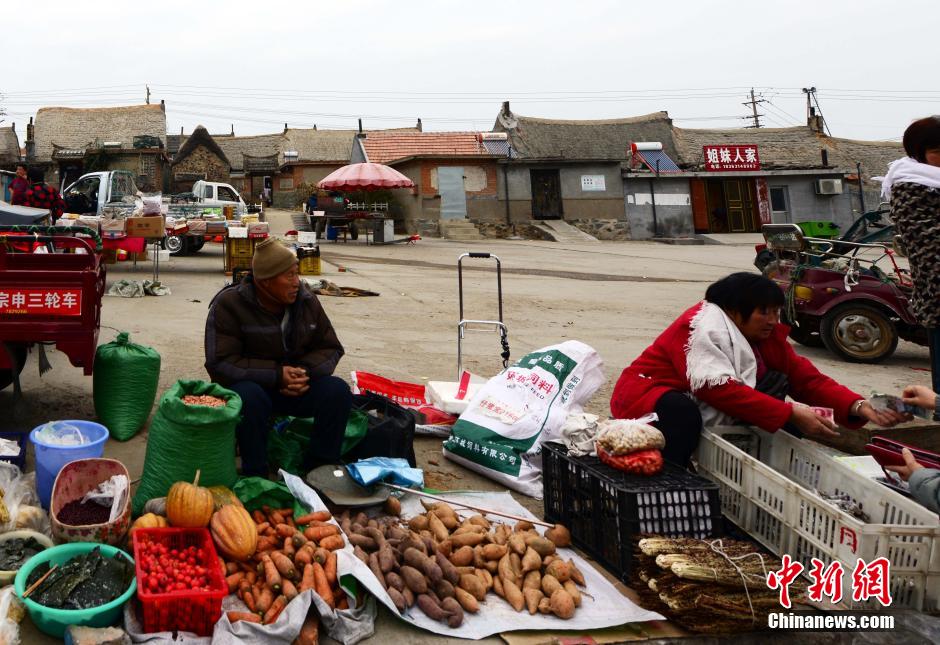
448,565
708,586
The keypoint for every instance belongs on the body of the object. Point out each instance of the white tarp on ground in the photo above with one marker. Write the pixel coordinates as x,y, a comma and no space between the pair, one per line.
607,608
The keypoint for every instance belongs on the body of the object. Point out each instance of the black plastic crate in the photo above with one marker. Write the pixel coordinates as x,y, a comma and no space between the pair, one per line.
20,438
605,508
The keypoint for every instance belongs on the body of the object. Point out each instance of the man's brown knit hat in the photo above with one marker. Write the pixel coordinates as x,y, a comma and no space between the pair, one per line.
271,259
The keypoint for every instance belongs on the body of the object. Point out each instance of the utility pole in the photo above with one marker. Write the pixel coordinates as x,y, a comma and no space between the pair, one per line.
811,111
148,94
754,103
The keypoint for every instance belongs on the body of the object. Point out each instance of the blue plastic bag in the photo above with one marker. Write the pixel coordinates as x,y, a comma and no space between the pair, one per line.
393,470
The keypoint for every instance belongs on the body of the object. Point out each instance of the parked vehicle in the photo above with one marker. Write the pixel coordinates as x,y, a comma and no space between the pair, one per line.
49,297
215,194
870,228
855,302
116,190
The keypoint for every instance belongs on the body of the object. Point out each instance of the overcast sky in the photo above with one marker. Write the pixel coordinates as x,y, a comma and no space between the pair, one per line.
258,64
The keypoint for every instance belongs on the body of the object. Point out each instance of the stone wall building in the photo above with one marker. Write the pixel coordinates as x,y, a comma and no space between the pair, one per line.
200,157
69,142
571,169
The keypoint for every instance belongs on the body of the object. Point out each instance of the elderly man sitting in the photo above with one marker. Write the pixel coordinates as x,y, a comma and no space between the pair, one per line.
269,339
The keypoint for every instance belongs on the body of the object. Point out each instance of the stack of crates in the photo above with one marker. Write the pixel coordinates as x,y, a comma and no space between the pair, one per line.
238,253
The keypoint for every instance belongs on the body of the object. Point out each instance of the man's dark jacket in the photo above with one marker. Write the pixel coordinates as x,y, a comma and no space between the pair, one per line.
245,342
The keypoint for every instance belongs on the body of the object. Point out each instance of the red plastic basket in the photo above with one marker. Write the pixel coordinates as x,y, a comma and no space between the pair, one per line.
190,611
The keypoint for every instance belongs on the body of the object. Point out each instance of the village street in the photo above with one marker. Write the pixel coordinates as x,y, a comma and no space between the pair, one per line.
614,296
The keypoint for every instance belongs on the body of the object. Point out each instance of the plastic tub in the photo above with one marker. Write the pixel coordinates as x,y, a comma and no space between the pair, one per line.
74,480
190,611
55,621
51,458
6,577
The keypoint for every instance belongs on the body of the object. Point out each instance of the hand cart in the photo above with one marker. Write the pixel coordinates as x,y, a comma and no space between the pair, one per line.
468,325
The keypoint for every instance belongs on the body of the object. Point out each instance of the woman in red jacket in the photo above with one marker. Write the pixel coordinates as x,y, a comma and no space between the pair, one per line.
727,360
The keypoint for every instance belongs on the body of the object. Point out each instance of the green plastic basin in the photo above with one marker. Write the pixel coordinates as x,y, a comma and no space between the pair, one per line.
55,621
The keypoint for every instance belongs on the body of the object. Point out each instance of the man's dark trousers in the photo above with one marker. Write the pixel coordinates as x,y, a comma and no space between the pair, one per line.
328,401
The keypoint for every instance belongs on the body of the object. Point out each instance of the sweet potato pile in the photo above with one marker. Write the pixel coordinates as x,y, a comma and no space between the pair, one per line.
447,565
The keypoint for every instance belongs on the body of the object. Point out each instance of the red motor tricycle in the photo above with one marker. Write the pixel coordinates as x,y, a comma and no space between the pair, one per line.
51,284
854,299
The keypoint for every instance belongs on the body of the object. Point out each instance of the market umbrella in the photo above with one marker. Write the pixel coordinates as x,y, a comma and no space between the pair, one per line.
364,176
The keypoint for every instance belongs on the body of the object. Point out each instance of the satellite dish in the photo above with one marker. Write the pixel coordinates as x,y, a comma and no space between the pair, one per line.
508,121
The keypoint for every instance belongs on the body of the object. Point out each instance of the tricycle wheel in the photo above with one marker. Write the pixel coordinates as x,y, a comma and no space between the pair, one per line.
175,244
195,242
859,333
18,355
806,334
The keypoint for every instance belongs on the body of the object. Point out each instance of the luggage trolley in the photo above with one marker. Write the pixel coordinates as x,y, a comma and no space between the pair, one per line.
465,324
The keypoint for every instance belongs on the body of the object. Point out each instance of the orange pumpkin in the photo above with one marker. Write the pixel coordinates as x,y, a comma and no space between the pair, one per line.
234,532
189,505
149,521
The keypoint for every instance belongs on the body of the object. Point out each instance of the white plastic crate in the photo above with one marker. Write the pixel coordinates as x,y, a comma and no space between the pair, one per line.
774,499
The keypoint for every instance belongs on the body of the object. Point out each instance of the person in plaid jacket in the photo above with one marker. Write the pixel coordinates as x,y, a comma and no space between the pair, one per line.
39,195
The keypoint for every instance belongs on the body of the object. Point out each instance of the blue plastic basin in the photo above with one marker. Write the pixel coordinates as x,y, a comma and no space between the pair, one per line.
50,458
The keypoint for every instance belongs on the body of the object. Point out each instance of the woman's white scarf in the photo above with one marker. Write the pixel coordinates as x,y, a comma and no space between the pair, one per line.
909,170
717,352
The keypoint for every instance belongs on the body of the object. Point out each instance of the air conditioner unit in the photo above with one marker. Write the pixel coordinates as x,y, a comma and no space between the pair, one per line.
111,144
828,186
291,155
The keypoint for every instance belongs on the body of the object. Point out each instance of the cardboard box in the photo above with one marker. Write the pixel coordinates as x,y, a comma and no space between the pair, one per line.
116,225
236,232
153,227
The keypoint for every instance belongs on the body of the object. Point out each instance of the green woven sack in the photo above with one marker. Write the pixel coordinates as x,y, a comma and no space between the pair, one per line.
186,438
125,384
286,449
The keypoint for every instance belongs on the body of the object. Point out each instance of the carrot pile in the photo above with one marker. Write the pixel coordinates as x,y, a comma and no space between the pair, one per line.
294,554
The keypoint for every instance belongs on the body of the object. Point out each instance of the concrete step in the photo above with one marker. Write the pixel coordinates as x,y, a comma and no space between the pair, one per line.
562,231
459,230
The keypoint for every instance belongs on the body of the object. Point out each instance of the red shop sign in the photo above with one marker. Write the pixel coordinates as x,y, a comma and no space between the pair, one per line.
40,302
735,157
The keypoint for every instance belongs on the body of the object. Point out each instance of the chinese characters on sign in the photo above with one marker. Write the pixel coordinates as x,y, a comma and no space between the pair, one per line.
731,157
40,302
869,581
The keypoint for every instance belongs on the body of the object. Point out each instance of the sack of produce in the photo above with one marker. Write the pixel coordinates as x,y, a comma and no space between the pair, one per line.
623,436
125,385
501,432
192,429
631,445
641,462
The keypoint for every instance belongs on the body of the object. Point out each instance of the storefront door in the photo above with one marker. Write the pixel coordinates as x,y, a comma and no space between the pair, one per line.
740,203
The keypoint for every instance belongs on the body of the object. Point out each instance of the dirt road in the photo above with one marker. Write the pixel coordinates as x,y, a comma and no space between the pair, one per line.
614,296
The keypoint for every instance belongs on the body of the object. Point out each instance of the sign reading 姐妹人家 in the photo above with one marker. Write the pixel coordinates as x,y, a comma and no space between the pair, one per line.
734,157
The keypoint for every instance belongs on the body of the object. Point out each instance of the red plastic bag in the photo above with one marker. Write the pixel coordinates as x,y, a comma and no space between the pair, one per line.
642,462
